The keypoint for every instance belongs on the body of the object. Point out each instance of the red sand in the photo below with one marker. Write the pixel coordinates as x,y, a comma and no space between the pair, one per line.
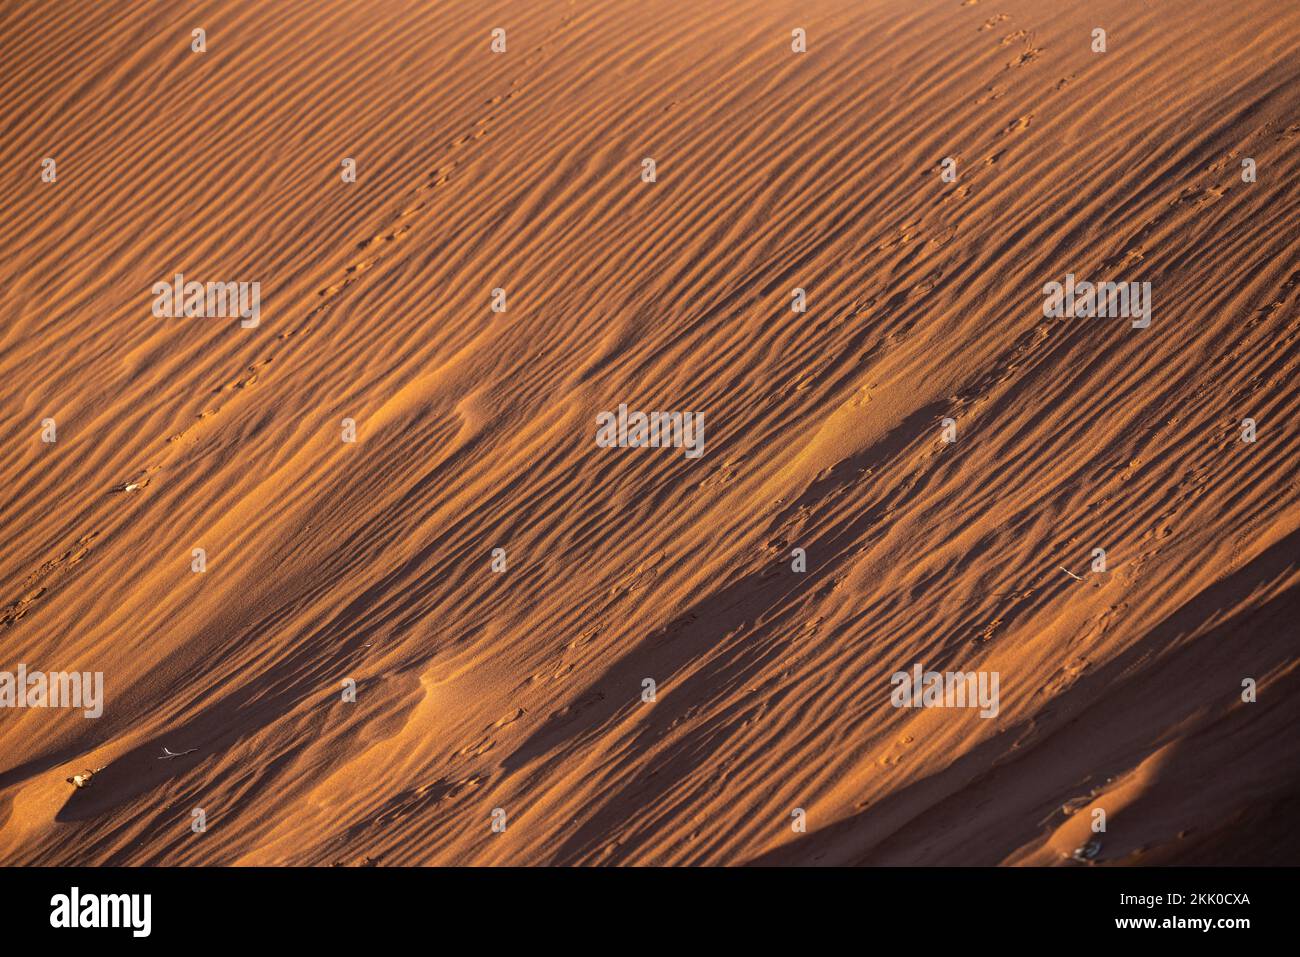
521,689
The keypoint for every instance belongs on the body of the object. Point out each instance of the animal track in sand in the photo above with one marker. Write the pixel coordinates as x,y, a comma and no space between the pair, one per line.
16,610
1018,124
205,414
904,236
571,711
424,798
242,383
637,580
723,474
488,743
438,177
411,206
676,626
1028,56
559,667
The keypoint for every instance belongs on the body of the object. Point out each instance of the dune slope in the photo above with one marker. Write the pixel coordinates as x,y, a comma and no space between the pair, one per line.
521,688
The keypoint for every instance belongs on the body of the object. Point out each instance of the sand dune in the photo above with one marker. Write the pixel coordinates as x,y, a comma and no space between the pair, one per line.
328,561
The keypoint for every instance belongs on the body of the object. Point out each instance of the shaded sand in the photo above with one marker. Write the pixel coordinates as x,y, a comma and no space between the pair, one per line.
475,430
